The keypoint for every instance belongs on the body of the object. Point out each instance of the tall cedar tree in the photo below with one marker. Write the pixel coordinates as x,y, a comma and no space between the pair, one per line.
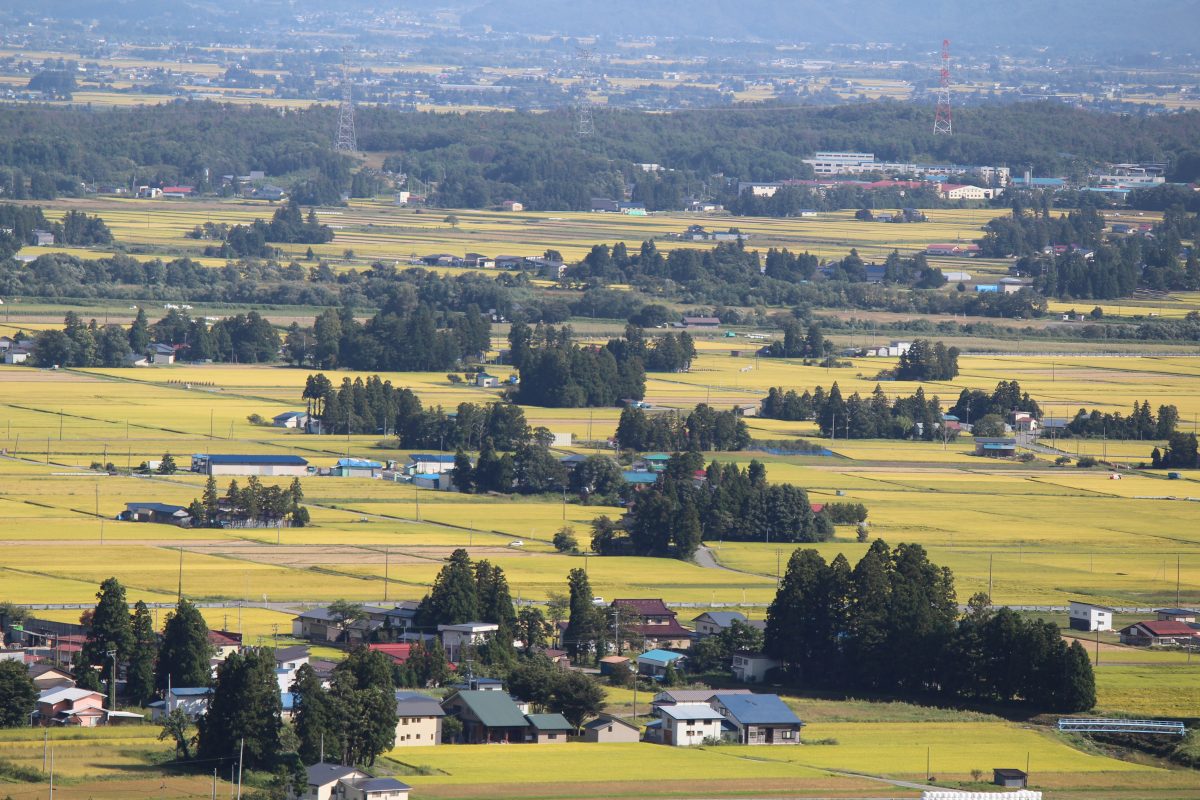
454,598
245,706
585,626
317,721
139,686
183,656
362,693
18,695
110,627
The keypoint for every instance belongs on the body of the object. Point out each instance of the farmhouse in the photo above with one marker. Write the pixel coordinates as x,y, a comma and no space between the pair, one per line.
607,728
1175,614
249,465
701,322
654,663
649,622
192,701
468,634
759,718
70,706
337,782
711,623
290,419
42,238
418,719
685,725
952,249
46,676
162,513
224,644
995,447
16,355
1089,617
1158,633
750,667
486,717
160,354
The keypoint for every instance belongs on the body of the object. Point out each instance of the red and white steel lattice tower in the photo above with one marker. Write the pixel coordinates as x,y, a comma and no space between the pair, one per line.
941,119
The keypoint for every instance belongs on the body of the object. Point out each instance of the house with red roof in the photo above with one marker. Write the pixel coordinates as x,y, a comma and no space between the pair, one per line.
398,653
648,623
1159,633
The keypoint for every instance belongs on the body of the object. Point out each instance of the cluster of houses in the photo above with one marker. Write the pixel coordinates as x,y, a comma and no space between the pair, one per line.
1171,627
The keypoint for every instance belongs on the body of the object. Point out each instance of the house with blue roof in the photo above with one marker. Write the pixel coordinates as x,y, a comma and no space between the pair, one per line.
685,725
162,513
654,663
356,468
640,478
758,718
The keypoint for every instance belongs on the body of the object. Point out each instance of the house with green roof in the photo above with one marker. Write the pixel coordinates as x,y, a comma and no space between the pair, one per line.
548,728
486,717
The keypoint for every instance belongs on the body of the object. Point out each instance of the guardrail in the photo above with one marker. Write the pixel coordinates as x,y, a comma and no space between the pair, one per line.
1083,725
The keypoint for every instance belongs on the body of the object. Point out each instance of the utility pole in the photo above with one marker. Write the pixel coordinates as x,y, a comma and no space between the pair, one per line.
386,564
990,555
51,775
214,787
112,686
179,594
1177,580
241,754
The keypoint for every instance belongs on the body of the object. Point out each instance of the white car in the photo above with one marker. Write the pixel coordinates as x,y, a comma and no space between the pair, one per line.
516,543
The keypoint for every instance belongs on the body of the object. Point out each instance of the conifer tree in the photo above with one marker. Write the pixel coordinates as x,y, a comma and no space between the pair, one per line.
183,656
454,597
245,707
110,627
139,686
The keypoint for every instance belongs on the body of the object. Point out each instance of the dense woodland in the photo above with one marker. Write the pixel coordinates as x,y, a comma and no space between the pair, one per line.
691,503
891,624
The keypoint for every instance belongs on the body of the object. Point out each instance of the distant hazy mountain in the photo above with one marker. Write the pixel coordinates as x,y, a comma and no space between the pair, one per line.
1068,25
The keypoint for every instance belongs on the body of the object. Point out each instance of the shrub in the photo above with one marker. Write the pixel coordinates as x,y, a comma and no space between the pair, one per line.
1062,461
1086,461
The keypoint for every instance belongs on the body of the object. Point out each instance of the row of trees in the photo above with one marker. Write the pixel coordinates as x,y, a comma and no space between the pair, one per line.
1140,424
891,624
799,342
690,503
288,225
703,429
148,662
875,417
376,406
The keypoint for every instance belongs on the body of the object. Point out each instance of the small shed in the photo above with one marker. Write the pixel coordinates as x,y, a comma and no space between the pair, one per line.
1010,778
485,381
610,729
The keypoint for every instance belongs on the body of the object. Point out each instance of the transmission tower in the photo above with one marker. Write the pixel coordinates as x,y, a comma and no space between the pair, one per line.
941,119
347,142
584,126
